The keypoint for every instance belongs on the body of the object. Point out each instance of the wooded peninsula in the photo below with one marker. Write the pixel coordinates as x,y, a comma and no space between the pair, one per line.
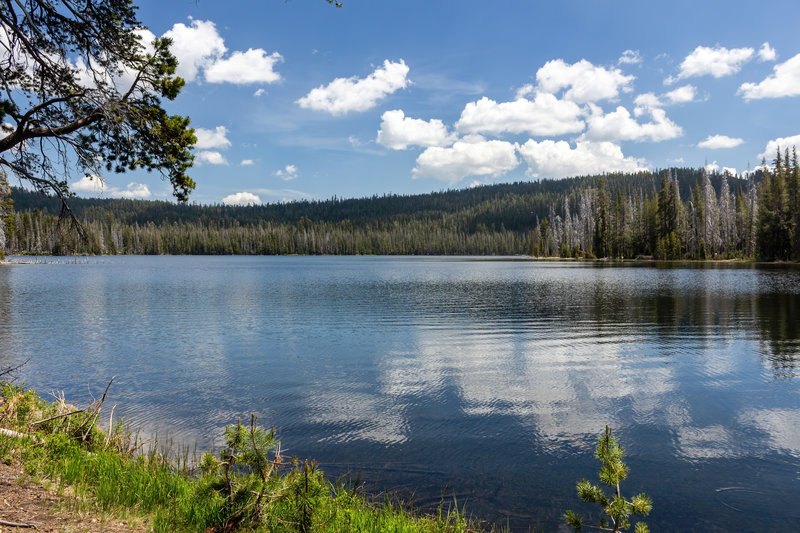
677,213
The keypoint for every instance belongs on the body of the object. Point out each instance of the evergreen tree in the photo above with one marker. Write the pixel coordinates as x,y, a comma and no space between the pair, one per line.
612,472
602,228
6,213
794,205
668,245
774,233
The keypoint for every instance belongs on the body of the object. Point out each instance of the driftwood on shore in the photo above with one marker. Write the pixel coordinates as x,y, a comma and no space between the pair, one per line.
17,434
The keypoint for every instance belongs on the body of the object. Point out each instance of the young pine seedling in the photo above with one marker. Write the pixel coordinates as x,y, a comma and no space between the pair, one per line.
617,509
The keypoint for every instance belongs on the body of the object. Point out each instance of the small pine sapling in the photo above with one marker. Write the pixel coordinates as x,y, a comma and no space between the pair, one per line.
307,493
243,474
616,508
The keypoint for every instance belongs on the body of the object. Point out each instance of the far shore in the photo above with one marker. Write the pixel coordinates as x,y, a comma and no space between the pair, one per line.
35,259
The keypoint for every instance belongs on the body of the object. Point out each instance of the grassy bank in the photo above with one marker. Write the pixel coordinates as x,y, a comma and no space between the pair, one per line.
246,486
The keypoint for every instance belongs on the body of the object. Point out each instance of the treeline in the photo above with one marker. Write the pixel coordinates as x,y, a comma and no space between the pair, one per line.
680,213
489,220
37,233
745,219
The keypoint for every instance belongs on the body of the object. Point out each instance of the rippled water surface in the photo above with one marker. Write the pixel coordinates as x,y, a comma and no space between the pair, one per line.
487,379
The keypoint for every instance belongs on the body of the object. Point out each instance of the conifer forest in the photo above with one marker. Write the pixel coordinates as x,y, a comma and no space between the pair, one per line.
672,214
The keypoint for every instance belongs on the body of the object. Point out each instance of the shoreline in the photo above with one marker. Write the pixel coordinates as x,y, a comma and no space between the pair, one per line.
68,473
18,258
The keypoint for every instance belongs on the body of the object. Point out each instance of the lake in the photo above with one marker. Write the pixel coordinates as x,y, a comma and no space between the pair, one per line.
483,379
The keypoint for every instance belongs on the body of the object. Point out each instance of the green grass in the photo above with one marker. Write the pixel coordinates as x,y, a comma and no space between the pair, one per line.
241,488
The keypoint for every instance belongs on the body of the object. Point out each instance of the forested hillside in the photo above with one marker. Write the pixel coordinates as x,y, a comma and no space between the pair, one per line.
758,218
676,213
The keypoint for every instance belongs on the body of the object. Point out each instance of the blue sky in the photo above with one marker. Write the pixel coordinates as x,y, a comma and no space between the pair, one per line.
298,99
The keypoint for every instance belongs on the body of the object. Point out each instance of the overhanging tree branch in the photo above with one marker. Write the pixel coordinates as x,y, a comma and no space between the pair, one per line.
66,58
60,191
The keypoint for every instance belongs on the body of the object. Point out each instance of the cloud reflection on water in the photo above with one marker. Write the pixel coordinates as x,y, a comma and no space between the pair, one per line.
494,371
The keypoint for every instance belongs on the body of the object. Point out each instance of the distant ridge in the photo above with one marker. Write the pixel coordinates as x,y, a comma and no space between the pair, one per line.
539,194
500,219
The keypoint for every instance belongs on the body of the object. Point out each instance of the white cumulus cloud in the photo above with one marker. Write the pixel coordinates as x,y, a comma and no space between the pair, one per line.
584,81
619,125
630,57
216,138
472,156
767,53
288,173
254,66
246,162
284,195
783,143
526,90
556,159
647,101
199,47
344,95
195,46
398,132
96,185
132,190
91,184
211,157
241,198
544,115
715,142
784,81
681,95
717,62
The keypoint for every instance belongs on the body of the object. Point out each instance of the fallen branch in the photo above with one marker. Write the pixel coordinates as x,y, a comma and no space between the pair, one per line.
15,524
9,371
94,412
17,434
62,415
106,392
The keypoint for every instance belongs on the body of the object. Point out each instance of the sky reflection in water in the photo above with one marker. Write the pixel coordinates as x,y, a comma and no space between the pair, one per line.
492,378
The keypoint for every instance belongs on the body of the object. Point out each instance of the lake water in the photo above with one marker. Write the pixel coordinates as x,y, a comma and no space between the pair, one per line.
485,379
